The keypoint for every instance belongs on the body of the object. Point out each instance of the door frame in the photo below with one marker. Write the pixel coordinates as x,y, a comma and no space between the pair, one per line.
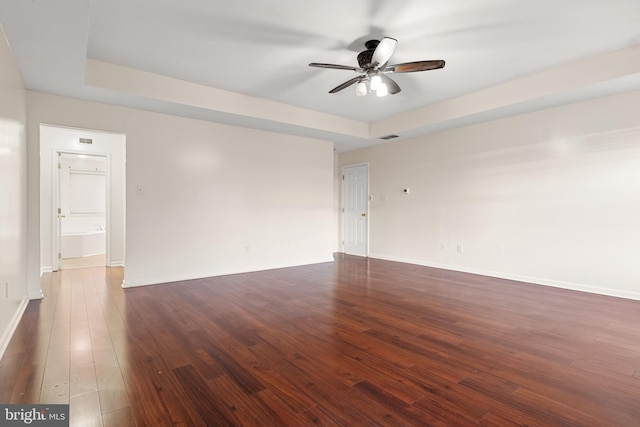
342,203
55,203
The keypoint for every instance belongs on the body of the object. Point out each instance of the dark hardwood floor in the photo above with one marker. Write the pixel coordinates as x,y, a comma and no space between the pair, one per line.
353,343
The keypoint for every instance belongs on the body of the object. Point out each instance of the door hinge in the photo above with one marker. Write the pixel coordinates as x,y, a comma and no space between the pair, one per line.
59,166
343,177
59,255
59,211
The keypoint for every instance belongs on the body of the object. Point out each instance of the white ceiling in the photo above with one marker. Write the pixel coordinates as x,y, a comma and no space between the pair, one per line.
499,54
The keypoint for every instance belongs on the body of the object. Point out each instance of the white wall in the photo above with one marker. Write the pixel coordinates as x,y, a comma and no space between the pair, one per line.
13,195
55,138
217,199
551,197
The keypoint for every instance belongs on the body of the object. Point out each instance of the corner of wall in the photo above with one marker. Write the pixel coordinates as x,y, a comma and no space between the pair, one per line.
11,327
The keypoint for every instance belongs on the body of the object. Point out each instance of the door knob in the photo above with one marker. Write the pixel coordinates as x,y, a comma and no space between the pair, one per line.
364,214
61,216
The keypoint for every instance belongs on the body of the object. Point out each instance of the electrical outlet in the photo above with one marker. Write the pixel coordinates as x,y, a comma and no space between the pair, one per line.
140,190
443,247
460,248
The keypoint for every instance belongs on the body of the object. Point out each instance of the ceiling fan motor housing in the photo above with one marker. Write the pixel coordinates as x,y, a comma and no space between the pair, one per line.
364,57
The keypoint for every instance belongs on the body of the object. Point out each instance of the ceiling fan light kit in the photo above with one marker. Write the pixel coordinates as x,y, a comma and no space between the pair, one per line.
373,69
361,89
376,81
382,90
371,84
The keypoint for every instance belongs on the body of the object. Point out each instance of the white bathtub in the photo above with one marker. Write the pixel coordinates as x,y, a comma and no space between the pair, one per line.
83,243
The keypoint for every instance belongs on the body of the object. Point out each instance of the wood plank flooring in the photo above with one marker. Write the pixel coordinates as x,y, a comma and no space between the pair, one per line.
358,342
83,262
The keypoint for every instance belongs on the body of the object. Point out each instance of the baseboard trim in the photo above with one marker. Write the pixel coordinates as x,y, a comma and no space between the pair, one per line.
39,294
119,263
44,270
183,277
11,327
519,278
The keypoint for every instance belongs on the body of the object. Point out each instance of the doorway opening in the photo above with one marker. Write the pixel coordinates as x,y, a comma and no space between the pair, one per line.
81,211
82,198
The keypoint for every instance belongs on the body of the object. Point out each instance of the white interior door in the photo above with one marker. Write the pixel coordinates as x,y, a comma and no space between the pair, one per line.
81,200
355,209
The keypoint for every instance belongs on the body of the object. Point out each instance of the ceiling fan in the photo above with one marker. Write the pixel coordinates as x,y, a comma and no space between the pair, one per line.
373,68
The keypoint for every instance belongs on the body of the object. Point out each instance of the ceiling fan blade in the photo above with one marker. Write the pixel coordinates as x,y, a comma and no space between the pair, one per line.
392,86
383,52
335,67
410,67
346,84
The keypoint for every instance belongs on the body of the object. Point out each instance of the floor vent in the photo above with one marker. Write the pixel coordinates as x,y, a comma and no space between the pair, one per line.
388,137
